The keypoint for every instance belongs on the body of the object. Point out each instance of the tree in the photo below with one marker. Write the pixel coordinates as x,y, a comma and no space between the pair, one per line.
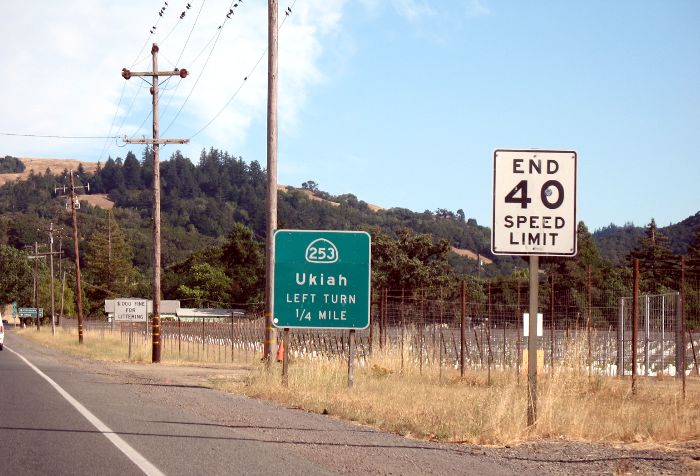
410,261
132,172
11,165
109,270
570,275
244,259
310,185
16,278
655,260
693,256
206,286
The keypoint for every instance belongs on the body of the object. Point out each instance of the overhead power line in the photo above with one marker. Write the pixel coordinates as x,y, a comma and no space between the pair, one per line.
287,12
184,46
55,136
161,12
234,4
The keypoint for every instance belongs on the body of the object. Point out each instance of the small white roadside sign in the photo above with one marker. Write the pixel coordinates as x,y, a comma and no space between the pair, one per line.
526,325
534,202
131,310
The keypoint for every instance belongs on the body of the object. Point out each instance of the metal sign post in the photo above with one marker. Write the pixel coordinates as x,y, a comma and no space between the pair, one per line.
534,214
532,343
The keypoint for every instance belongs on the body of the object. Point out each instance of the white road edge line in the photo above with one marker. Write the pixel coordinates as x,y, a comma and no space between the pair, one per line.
137,458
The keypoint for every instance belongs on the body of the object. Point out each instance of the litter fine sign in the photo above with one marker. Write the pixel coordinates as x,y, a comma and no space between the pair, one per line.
131,310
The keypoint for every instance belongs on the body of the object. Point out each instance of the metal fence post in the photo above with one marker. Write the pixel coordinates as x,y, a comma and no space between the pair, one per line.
646,335
621,338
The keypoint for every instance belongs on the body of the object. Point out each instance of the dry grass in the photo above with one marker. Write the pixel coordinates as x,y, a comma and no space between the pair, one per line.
99,200
39,166
105,346
449,408
470,254
440,405
96,345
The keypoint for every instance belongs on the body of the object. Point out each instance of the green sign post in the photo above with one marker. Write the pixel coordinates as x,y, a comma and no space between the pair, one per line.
322,279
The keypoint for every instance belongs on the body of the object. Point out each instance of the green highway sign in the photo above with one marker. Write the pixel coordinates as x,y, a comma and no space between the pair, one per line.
321,279
30,312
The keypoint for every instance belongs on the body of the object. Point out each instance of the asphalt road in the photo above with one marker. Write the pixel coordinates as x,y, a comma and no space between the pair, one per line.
96,418
42,433
175,428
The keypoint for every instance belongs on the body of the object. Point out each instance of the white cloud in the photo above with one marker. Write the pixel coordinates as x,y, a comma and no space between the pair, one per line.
62,64
413,9
476,8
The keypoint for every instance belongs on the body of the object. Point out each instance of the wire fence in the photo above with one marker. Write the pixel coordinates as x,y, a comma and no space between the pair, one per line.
477,323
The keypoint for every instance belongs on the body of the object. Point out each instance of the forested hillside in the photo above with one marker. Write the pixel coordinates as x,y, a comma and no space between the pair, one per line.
616,242
213,227
210,206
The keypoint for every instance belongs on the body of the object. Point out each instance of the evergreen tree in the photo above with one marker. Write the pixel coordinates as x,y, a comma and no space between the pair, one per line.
132,172
571,275
692,262
108,264
657,264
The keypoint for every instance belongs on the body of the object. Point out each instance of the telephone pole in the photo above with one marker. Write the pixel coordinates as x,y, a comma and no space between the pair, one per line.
36,284
78,286
156,141
271,177
53,298
74,205
61,275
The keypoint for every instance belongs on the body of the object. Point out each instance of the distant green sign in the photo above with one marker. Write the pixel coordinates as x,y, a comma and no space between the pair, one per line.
30,312
322,279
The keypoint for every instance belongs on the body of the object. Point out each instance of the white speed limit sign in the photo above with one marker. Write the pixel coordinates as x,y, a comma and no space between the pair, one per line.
534,202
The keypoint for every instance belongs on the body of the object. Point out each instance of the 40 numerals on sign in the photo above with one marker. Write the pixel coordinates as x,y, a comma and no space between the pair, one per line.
534,203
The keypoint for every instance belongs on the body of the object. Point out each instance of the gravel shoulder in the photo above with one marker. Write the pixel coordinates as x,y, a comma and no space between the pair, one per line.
349,448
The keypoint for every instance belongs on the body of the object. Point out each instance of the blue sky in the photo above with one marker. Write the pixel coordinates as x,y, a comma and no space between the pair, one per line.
399,102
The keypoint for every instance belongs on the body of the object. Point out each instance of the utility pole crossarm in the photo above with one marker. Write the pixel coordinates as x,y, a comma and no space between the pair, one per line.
126,74
156,141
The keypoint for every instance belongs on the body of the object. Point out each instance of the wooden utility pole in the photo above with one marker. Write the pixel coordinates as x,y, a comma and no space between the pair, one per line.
156,141
36,284
109,239
462,328
271,177
635,318
74,205
78,286
61,275
53,299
